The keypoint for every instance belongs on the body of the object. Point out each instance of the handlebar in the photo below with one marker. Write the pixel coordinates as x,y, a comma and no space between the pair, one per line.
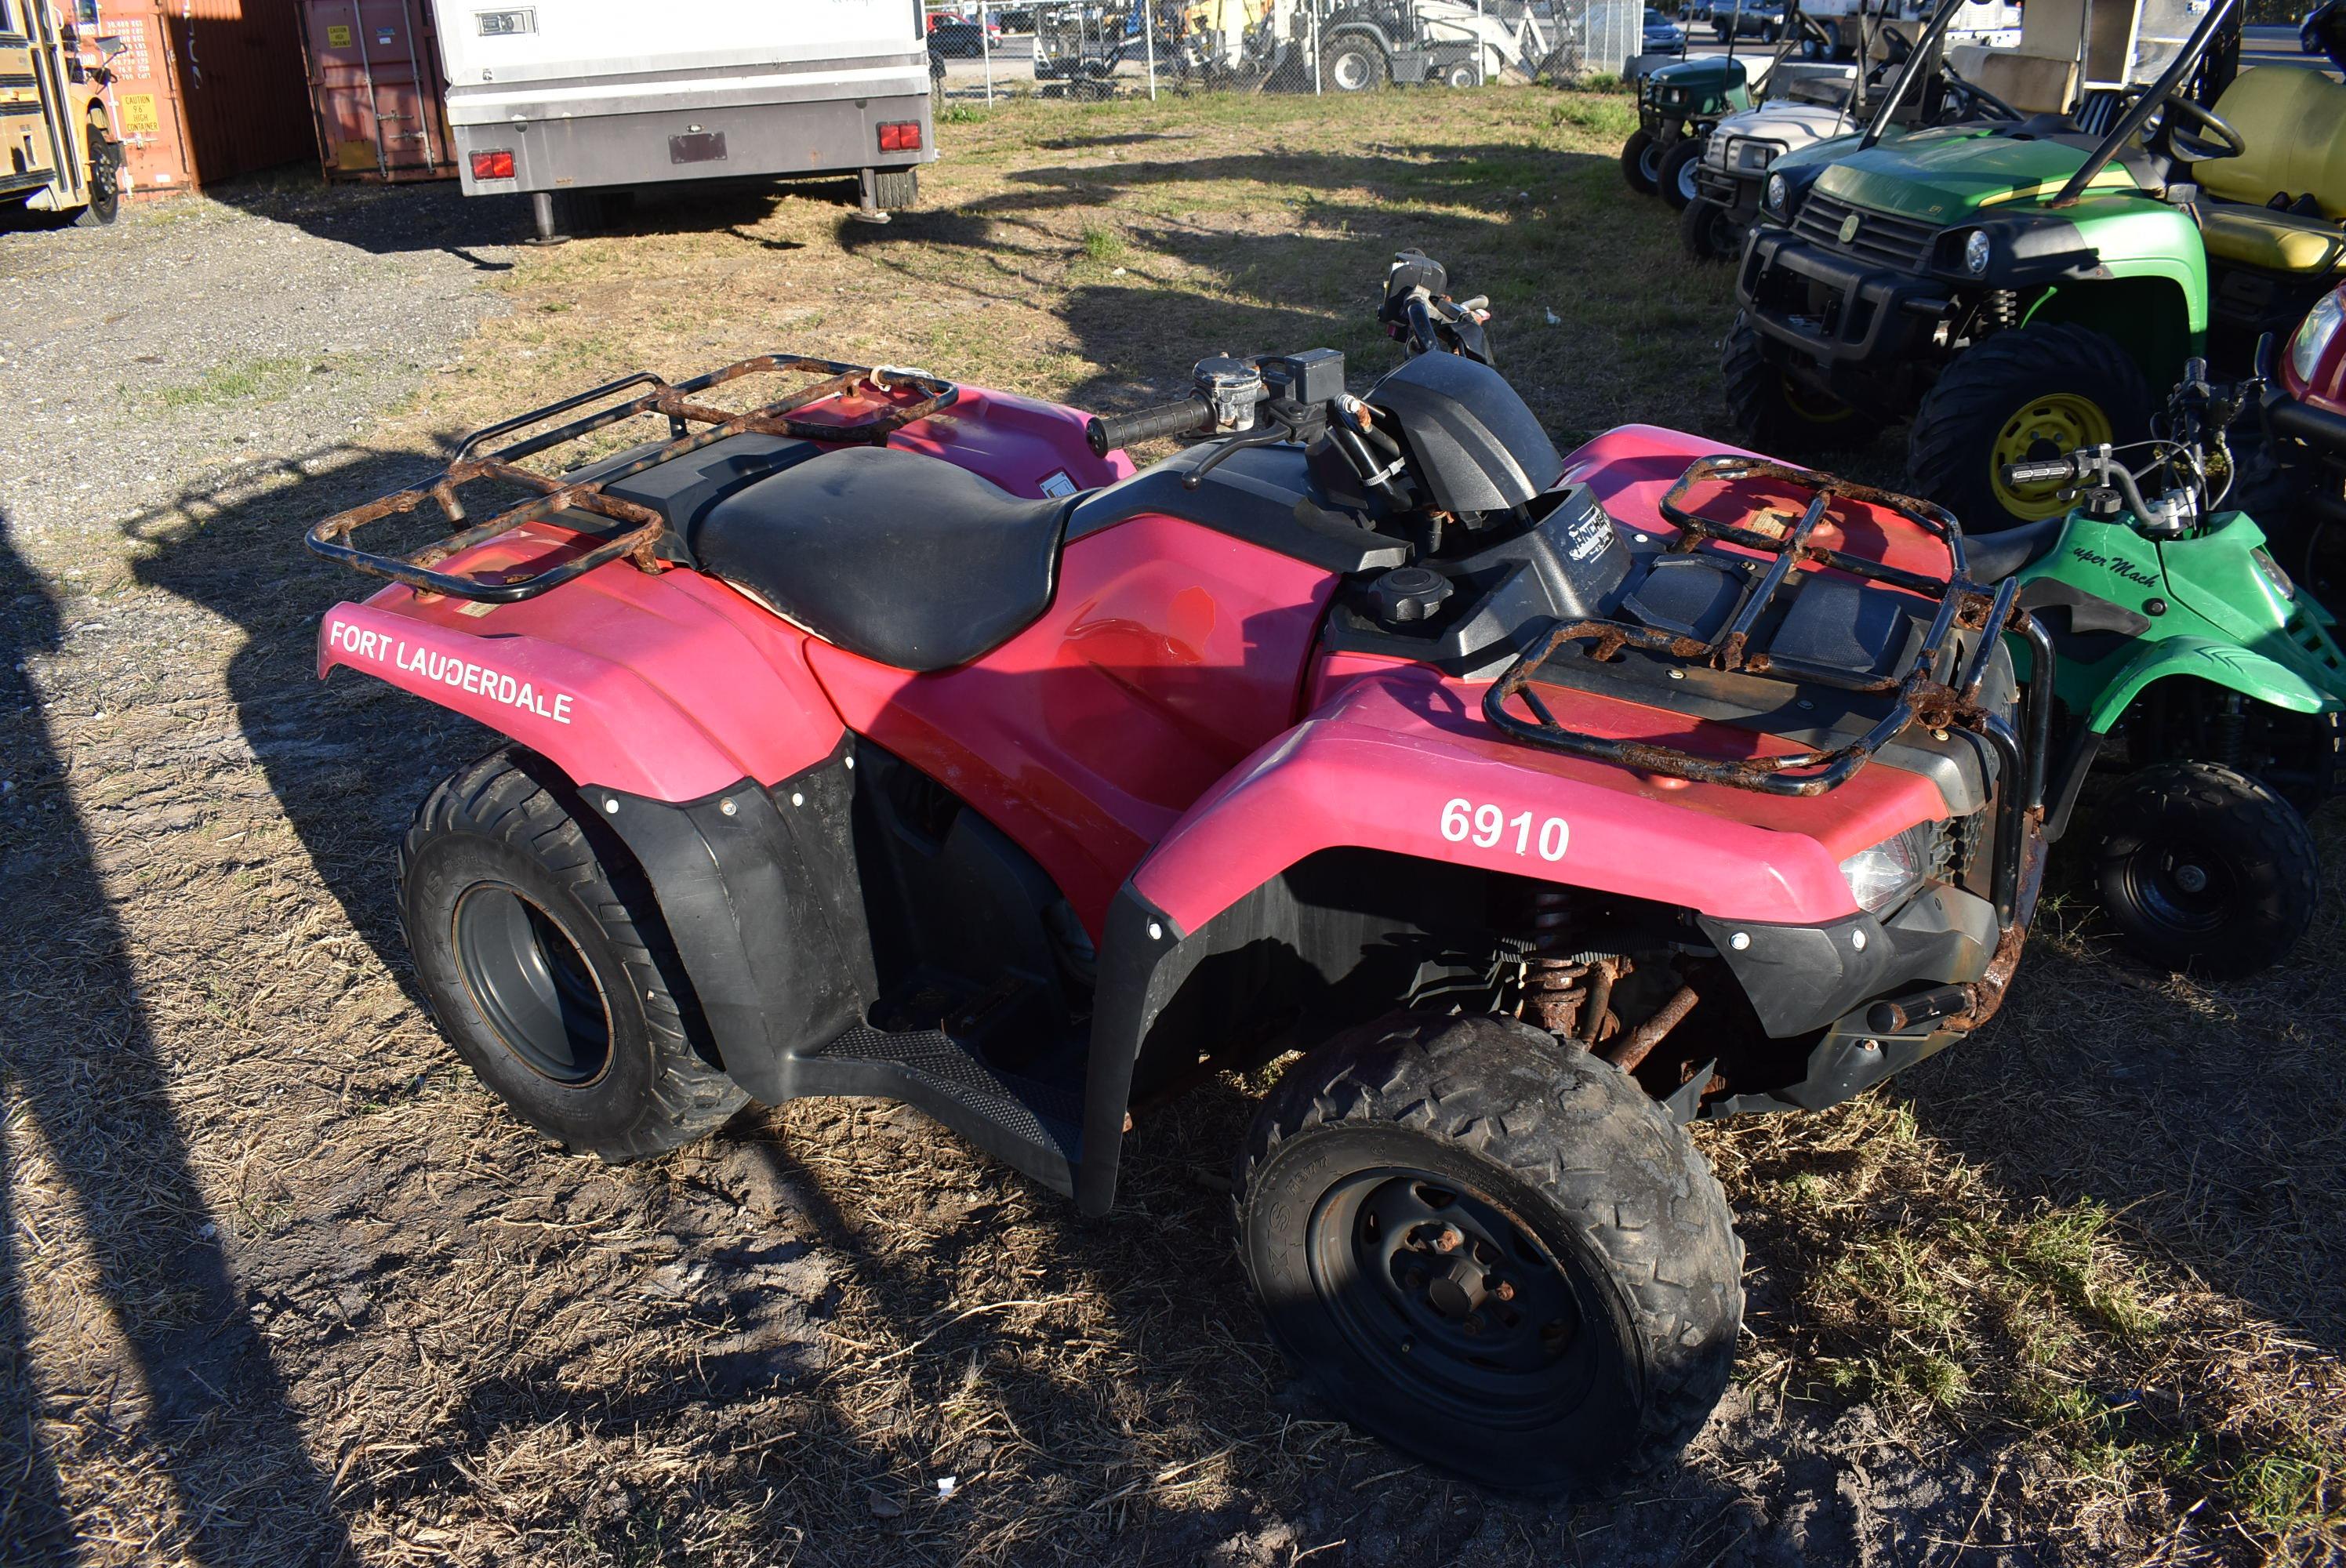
2045,471
1190,417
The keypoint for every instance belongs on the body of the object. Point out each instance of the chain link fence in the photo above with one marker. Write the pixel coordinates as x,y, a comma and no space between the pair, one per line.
990,49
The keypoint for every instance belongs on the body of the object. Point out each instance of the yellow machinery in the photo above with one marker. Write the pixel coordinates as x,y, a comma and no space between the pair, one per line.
56,136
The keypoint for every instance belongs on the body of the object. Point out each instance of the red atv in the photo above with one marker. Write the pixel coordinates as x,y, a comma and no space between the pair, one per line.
897,739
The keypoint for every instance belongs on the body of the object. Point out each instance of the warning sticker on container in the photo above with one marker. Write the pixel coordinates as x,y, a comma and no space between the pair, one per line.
338,36
139,115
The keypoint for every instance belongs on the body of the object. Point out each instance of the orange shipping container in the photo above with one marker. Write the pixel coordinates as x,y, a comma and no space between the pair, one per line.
209,89
376,85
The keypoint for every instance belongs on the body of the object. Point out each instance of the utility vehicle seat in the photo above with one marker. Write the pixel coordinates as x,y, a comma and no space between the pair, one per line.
904,559
2293,122
2031,83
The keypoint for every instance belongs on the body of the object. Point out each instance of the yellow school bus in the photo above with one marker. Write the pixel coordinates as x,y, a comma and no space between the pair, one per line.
58,152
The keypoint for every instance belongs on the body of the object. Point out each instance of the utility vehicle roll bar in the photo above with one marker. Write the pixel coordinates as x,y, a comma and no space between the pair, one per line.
1926,48
906,396
1918,695
2138,115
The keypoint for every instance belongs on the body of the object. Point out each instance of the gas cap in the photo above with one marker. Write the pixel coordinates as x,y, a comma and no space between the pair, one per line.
1408,594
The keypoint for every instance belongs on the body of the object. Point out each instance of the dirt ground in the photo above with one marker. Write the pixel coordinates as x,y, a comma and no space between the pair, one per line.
280,1283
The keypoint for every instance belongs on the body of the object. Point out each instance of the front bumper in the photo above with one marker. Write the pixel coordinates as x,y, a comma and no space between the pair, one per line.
1943,937
1738,193
1843,323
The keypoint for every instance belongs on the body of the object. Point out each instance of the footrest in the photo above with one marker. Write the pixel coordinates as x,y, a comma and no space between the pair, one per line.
1033,1125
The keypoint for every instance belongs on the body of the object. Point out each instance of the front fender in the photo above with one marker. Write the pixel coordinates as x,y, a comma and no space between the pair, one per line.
1378,767
1398,762
2223,664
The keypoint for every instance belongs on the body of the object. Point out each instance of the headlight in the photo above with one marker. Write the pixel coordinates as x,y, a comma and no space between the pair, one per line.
2313,335
1778,196
1754,156
1976,253
1887,874
2274,574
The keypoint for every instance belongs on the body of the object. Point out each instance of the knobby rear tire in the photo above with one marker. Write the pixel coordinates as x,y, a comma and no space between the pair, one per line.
510,827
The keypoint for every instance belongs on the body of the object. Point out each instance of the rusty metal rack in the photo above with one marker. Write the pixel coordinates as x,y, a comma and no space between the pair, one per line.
1918,695
624,528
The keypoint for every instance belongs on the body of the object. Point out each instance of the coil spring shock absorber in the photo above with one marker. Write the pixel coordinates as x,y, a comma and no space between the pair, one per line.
1999,311
2226,727
1553,991
1560,982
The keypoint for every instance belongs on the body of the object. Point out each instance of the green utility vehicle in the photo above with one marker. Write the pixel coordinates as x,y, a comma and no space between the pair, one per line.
1677,106
1812,122
2183,650
2017,287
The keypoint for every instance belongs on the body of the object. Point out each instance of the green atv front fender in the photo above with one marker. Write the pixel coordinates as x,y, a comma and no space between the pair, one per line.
2227,665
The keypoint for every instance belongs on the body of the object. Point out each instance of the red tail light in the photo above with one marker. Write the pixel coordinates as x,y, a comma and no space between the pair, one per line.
493,165
901,135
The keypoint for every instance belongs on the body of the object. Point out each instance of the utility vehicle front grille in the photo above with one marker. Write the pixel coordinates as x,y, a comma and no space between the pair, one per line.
1882,237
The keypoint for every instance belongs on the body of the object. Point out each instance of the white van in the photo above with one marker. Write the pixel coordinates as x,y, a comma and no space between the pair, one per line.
556,96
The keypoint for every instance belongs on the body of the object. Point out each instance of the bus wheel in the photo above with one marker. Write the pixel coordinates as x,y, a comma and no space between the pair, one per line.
105,179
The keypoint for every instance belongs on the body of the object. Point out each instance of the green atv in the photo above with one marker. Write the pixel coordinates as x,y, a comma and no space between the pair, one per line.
1677,106
2018,287
2181,649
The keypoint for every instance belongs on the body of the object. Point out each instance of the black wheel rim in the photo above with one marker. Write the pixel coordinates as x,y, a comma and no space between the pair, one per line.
104,164
1444,1292
2182,888
531,981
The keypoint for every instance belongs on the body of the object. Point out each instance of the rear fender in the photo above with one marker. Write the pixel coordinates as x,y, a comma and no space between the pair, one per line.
667,687
2223,664
687,719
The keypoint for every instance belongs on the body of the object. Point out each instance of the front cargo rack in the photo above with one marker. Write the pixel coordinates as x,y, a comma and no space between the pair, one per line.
1919,696
847,405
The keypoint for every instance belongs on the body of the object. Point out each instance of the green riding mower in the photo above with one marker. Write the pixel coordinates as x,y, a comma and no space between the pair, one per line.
2018,285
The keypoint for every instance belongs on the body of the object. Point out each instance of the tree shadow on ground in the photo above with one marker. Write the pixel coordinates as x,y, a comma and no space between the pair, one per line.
88,1096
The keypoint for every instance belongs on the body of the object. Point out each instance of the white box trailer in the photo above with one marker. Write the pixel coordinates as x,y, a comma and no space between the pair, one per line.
556,96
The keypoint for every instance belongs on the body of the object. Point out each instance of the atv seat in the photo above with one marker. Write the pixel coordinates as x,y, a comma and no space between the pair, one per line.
1993,557
2293,122
900,558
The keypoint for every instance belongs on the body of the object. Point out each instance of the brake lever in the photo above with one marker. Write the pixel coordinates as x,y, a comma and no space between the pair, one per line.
1279,420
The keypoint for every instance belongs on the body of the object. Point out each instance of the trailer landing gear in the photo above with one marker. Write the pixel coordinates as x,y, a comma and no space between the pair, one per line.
550,226
880,191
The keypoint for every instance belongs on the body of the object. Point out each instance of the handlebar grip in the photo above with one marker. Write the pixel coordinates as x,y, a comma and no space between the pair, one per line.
2046,471
1189,416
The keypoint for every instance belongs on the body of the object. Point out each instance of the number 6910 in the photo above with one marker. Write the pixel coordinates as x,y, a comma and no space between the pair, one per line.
1488,826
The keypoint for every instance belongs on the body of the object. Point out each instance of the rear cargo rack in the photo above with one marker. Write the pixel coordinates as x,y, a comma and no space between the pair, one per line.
1918,697
624,528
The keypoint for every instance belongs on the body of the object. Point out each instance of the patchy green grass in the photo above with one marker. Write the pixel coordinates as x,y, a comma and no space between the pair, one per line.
263,380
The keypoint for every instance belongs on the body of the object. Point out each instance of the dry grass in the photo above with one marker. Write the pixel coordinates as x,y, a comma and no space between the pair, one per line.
290,1286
